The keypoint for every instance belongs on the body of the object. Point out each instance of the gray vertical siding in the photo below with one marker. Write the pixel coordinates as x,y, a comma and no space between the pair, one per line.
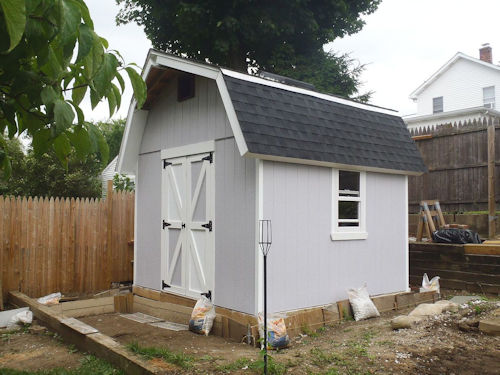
305,267
172,124
235,228
148,271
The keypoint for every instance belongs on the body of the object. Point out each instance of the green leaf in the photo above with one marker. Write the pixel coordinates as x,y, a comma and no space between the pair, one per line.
48,96
62,147
84,10
85,40
41,141
78,93
63,115
81,141
138,85
79,113
120,81
98,142
53,67
106,73
14,13
70,20
118,96
94,99
111,101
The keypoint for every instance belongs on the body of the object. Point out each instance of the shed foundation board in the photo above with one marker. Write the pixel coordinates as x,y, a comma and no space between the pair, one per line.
86,307
79,326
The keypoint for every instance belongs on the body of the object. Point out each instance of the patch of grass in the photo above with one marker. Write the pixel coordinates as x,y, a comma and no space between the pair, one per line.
178,359
273,367
345,314
90,366
358,349
388,343
307,331
322,359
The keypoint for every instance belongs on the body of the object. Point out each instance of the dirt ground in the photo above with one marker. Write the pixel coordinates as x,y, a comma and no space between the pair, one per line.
435,346
36,349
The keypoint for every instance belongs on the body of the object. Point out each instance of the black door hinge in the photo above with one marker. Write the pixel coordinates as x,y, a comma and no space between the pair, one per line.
207,294
164,284
208,225
209,158
166,163
165,224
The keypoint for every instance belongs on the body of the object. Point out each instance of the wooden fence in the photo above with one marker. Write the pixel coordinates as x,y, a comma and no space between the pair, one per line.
457,158
73,246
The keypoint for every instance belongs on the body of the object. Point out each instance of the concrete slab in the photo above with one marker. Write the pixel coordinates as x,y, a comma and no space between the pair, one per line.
490,326
460,300
170,326
141,318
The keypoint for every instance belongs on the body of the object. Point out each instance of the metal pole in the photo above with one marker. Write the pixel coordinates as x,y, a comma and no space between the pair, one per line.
265,314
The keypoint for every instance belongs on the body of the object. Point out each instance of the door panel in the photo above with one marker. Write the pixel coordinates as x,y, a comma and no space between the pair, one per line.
187,246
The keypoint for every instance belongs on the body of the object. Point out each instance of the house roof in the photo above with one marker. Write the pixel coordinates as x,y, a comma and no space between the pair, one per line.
274,121
414,118
458,56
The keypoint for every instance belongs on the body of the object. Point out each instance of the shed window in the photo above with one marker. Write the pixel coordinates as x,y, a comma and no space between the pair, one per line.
348,205
489,97
437,104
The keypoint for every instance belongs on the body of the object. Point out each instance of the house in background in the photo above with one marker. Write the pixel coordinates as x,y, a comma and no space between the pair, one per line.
463,89
214,151
108,173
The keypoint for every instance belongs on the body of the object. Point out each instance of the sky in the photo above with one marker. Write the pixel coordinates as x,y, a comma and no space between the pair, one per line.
402,44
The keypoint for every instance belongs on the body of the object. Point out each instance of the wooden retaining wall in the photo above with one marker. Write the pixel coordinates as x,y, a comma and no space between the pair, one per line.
73,246
456,268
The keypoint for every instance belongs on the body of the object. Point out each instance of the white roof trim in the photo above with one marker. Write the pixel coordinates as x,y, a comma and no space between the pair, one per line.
459,112
328,164
335,99
446,66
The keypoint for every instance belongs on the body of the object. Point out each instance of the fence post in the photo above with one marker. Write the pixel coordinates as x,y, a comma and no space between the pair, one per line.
109,234
491,179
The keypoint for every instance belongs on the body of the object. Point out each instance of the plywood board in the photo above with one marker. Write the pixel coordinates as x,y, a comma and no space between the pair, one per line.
79,326
170,326
141,318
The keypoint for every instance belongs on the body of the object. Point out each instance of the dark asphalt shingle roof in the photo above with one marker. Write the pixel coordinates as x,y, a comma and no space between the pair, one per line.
284,123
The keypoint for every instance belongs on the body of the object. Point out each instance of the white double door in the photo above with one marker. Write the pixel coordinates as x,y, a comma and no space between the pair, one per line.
188,205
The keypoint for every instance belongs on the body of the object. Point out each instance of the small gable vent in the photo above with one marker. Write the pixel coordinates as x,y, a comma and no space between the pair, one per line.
285,80
185,87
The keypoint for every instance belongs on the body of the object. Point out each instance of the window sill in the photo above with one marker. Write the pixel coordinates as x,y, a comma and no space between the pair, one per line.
346,236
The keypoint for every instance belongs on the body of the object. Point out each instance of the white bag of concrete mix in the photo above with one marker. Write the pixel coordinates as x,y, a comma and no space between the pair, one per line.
202,317
361,304
430,285
22,317
51,299
277,337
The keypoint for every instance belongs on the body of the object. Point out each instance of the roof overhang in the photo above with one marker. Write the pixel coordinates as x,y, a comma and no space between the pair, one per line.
460,112
156,70
458,56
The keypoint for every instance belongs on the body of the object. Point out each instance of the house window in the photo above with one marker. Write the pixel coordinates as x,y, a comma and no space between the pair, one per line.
489,97
437,104
348,205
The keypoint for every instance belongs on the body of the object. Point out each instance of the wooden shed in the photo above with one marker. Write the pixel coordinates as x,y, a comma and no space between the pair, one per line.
215,150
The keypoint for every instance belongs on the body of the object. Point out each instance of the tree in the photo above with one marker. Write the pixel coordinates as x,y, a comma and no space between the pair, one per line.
43,79
122,182
113,134
281,36
14,186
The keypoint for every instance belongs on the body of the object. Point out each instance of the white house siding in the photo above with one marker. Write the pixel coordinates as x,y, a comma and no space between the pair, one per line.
172,124
461,86
305,267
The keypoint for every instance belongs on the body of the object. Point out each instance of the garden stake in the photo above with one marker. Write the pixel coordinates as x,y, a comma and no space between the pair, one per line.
265,240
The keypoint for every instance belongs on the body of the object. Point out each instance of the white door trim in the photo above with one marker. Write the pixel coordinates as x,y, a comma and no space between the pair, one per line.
192,149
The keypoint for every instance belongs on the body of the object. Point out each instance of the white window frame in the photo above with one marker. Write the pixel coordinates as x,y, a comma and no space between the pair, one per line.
489,101
339,233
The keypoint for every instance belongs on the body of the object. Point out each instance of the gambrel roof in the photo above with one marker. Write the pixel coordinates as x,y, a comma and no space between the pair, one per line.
275,121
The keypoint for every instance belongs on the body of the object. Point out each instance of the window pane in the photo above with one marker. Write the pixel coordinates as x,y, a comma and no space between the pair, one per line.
489,97
348,210
349,183
437,104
